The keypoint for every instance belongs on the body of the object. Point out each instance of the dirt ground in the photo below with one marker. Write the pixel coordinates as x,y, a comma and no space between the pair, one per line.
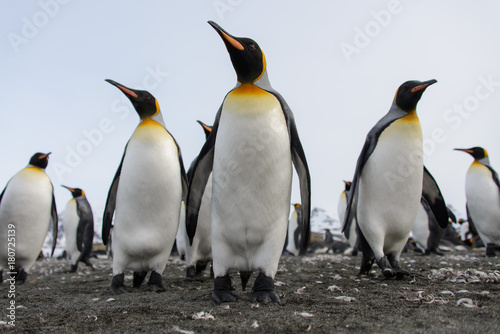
458,292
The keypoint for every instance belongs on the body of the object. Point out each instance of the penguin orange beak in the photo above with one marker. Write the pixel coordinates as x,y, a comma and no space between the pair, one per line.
205,127
126,90
44,156
347,183
423,86
70,189
228,39
464,150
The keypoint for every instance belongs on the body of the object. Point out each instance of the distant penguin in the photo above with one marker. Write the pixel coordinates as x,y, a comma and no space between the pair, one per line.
250,151
350,230
146,194
181,236
388,182
78,222
199,253
482,190
27,206
294,245
426,230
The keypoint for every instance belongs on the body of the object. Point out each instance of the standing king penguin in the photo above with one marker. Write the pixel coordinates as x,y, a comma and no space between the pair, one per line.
482,190
27,206
199,252
145,197
388,184
249,152
78,222
294,245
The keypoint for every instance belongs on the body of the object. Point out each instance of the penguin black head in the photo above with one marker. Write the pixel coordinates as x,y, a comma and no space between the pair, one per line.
248,59
206,128
76,192
296,206
347,185
477,152
409,93
40,160
144,103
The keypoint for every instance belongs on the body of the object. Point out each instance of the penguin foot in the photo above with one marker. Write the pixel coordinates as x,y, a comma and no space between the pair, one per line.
21,277
117,284
200,267
222,290
191,273
386,268
490,250
73,269
263,290
212,275
244,276
139,278
155,279
87,262
400,274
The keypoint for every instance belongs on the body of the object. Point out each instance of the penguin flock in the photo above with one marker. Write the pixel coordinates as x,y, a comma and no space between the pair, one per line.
232,208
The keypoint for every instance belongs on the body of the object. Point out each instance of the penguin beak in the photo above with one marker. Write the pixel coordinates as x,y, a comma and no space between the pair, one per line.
347,183
464,150
44,156
70,189
129,92
204,126
227,38
424,85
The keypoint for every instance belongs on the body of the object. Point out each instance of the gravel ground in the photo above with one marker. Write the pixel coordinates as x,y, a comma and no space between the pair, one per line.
458,292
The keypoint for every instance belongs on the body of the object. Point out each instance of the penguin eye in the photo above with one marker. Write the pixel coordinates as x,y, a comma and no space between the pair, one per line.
252,47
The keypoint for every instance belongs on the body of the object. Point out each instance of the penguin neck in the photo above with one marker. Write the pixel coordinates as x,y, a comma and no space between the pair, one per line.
158,118
485,161
30,166
262,82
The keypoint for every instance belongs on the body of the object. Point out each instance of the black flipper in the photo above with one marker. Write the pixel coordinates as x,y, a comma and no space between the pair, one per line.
109,210
494,175
472,227
55,222
199,173
434,198
370,143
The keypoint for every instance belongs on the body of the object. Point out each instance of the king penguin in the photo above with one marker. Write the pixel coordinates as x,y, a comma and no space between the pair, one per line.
249,152
426,230
27,207
145,196
350,230
294,245
388,184
482,190
78,222
199,252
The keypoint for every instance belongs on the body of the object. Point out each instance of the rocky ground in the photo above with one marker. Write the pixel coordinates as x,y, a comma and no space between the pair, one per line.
458,292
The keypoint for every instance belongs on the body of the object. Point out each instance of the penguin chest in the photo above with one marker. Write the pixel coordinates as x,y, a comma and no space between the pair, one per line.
252,169
149,190
483,199
70,221
391,180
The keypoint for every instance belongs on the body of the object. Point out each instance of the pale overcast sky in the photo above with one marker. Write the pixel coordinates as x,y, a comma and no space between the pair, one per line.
337,63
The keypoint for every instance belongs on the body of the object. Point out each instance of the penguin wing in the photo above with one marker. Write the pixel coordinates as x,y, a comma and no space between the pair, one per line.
3,191
55,221
494,176
109,210
434,198
472,228
370,143
85,228
198,176
300,163
184,179
452,216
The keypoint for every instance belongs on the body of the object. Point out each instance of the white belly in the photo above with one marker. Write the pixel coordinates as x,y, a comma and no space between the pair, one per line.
483,200
390,187
70,221
252,175
26,203
148,200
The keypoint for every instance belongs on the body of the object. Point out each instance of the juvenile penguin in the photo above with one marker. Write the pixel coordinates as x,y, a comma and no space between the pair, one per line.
199,252
249,152
145,196
78,222
294,245
387,185
482,190
27,207
350,230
